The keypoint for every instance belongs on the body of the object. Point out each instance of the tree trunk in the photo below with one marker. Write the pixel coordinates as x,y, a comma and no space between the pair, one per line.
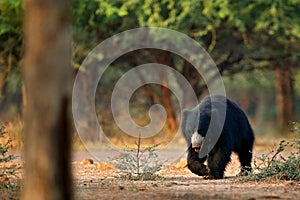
284,96
194,78
164,58
3,79
47,75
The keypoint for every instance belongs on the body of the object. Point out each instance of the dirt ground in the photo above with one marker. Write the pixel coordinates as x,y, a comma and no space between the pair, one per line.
99,181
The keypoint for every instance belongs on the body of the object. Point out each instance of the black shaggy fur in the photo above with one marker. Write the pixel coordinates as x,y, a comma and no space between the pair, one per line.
195,164
236,136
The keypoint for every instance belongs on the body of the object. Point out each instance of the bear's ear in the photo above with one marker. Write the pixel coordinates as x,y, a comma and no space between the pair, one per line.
189,123
184,119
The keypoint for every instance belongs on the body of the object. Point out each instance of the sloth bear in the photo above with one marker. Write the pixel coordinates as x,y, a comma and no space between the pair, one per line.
236,135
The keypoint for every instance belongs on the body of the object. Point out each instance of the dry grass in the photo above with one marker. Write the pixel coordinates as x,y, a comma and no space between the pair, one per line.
14,131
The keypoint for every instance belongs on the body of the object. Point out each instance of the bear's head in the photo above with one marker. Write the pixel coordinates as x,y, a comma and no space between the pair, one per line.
194,126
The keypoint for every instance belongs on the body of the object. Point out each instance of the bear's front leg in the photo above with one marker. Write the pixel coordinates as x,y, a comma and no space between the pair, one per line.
195,164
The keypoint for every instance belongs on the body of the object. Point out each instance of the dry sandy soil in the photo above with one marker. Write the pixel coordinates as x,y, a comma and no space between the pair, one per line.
99,181
102,181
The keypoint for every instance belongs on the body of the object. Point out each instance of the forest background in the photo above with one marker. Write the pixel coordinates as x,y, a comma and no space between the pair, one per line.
255,45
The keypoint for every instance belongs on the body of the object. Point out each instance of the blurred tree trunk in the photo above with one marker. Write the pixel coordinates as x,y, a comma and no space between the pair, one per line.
166,96
284,96
192,75
3,78
47,74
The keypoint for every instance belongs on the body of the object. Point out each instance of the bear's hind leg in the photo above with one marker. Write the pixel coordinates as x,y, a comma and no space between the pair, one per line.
217,162
245,157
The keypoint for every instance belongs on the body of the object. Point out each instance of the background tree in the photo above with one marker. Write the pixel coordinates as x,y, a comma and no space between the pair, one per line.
47,74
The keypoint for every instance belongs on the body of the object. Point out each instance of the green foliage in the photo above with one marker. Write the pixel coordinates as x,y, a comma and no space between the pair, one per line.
10,30
10,20
139,163
7,170
254,33
275,165
260,25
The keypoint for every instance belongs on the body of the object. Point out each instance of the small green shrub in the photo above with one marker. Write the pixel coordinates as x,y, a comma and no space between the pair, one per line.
139,164
275,165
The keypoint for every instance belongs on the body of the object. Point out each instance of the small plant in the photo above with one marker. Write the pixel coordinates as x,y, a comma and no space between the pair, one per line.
295,127
7,170
137,164
277,166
